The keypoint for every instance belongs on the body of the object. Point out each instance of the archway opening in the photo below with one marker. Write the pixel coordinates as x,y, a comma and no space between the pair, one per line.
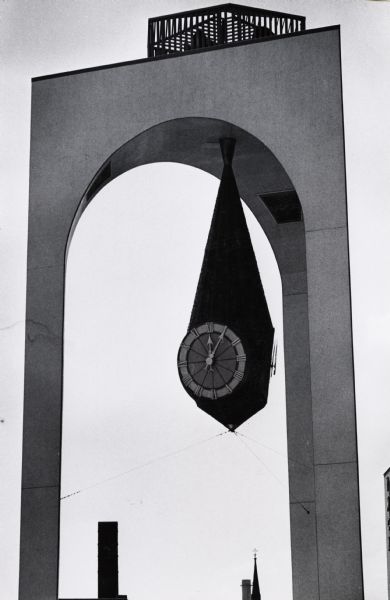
190,505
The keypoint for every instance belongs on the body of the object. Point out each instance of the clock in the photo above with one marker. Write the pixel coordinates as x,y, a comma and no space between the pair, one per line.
211,361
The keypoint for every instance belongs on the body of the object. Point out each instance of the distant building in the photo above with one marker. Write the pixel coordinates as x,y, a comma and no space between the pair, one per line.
387,504
251,591
108,562
255,585
246,587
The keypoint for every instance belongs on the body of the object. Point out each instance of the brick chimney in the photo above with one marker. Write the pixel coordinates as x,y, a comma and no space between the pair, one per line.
107,560
246,589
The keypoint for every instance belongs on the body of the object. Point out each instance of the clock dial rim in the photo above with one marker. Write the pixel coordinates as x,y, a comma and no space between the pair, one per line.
186,346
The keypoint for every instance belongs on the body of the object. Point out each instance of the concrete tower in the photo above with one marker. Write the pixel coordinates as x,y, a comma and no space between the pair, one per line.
262,79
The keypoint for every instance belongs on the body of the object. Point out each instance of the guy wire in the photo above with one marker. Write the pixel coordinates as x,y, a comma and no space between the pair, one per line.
239,436
143,465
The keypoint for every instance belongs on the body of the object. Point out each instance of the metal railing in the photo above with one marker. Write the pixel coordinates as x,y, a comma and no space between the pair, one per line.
217,26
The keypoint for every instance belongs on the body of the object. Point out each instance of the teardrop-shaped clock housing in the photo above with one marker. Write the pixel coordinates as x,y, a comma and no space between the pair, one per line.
229,295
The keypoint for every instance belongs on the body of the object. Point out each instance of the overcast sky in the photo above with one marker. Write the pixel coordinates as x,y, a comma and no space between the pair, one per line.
188,521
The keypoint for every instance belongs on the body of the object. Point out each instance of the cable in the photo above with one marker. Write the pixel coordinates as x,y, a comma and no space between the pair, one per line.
297,462
143,465
307,511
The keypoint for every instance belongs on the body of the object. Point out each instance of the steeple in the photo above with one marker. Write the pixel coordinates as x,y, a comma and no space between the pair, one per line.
255,585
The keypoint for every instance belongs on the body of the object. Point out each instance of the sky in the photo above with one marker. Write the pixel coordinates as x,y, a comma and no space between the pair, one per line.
191,504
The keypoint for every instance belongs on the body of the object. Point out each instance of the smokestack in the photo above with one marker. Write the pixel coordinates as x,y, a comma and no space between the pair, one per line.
107,560
246,589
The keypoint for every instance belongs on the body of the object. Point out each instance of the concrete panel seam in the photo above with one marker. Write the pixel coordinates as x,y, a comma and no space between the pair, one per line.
326,228
295,294
55,266
39,487
341,462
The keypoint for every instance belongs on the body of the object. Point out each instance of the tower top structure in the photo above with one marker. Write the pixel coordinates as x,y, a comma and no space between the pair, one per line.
220,25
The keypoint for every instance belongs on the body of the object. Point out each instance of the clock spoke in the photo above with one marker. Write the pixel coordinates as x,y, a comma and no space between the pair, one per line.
226,368
217,356
198,371
220,374
196,352
200,341
204,378
218,379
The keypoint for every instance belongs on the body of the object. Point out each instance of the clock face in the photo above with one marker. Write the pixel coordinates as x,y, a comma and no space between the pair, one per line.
211,361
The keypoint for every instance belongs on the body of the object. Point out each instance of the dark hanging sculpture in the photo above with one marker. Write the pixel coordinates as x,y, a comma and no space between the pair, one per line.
224,360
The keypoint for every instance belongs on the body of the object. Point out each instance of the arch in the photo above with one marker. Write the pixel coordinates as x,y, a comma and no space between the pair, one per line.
263,182
267,189
154,215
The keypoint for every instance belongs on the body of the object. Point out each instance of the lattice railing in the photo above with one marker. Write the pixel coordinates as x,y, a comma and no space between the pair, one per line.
217,26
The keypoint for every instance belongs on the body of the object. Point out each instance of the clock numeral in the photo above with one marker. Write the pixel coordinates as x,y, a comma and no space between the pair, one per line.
215,394
198,390
238,375
229,389
183,363
210,327
236,341
187,379
195,332
241,357
186,346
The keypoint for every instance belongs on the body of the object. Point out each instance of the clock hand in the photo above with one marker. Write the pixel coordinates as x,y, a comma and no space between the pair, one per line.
209,344
209,359
220,338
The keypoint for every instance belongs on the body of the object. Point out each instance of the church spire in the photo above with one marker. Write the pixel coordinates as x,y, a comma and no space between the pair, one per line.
255,585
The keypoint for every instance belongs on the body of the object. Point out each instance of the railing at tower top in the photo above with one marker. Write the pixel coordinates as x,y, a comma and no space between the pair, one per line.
217,26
